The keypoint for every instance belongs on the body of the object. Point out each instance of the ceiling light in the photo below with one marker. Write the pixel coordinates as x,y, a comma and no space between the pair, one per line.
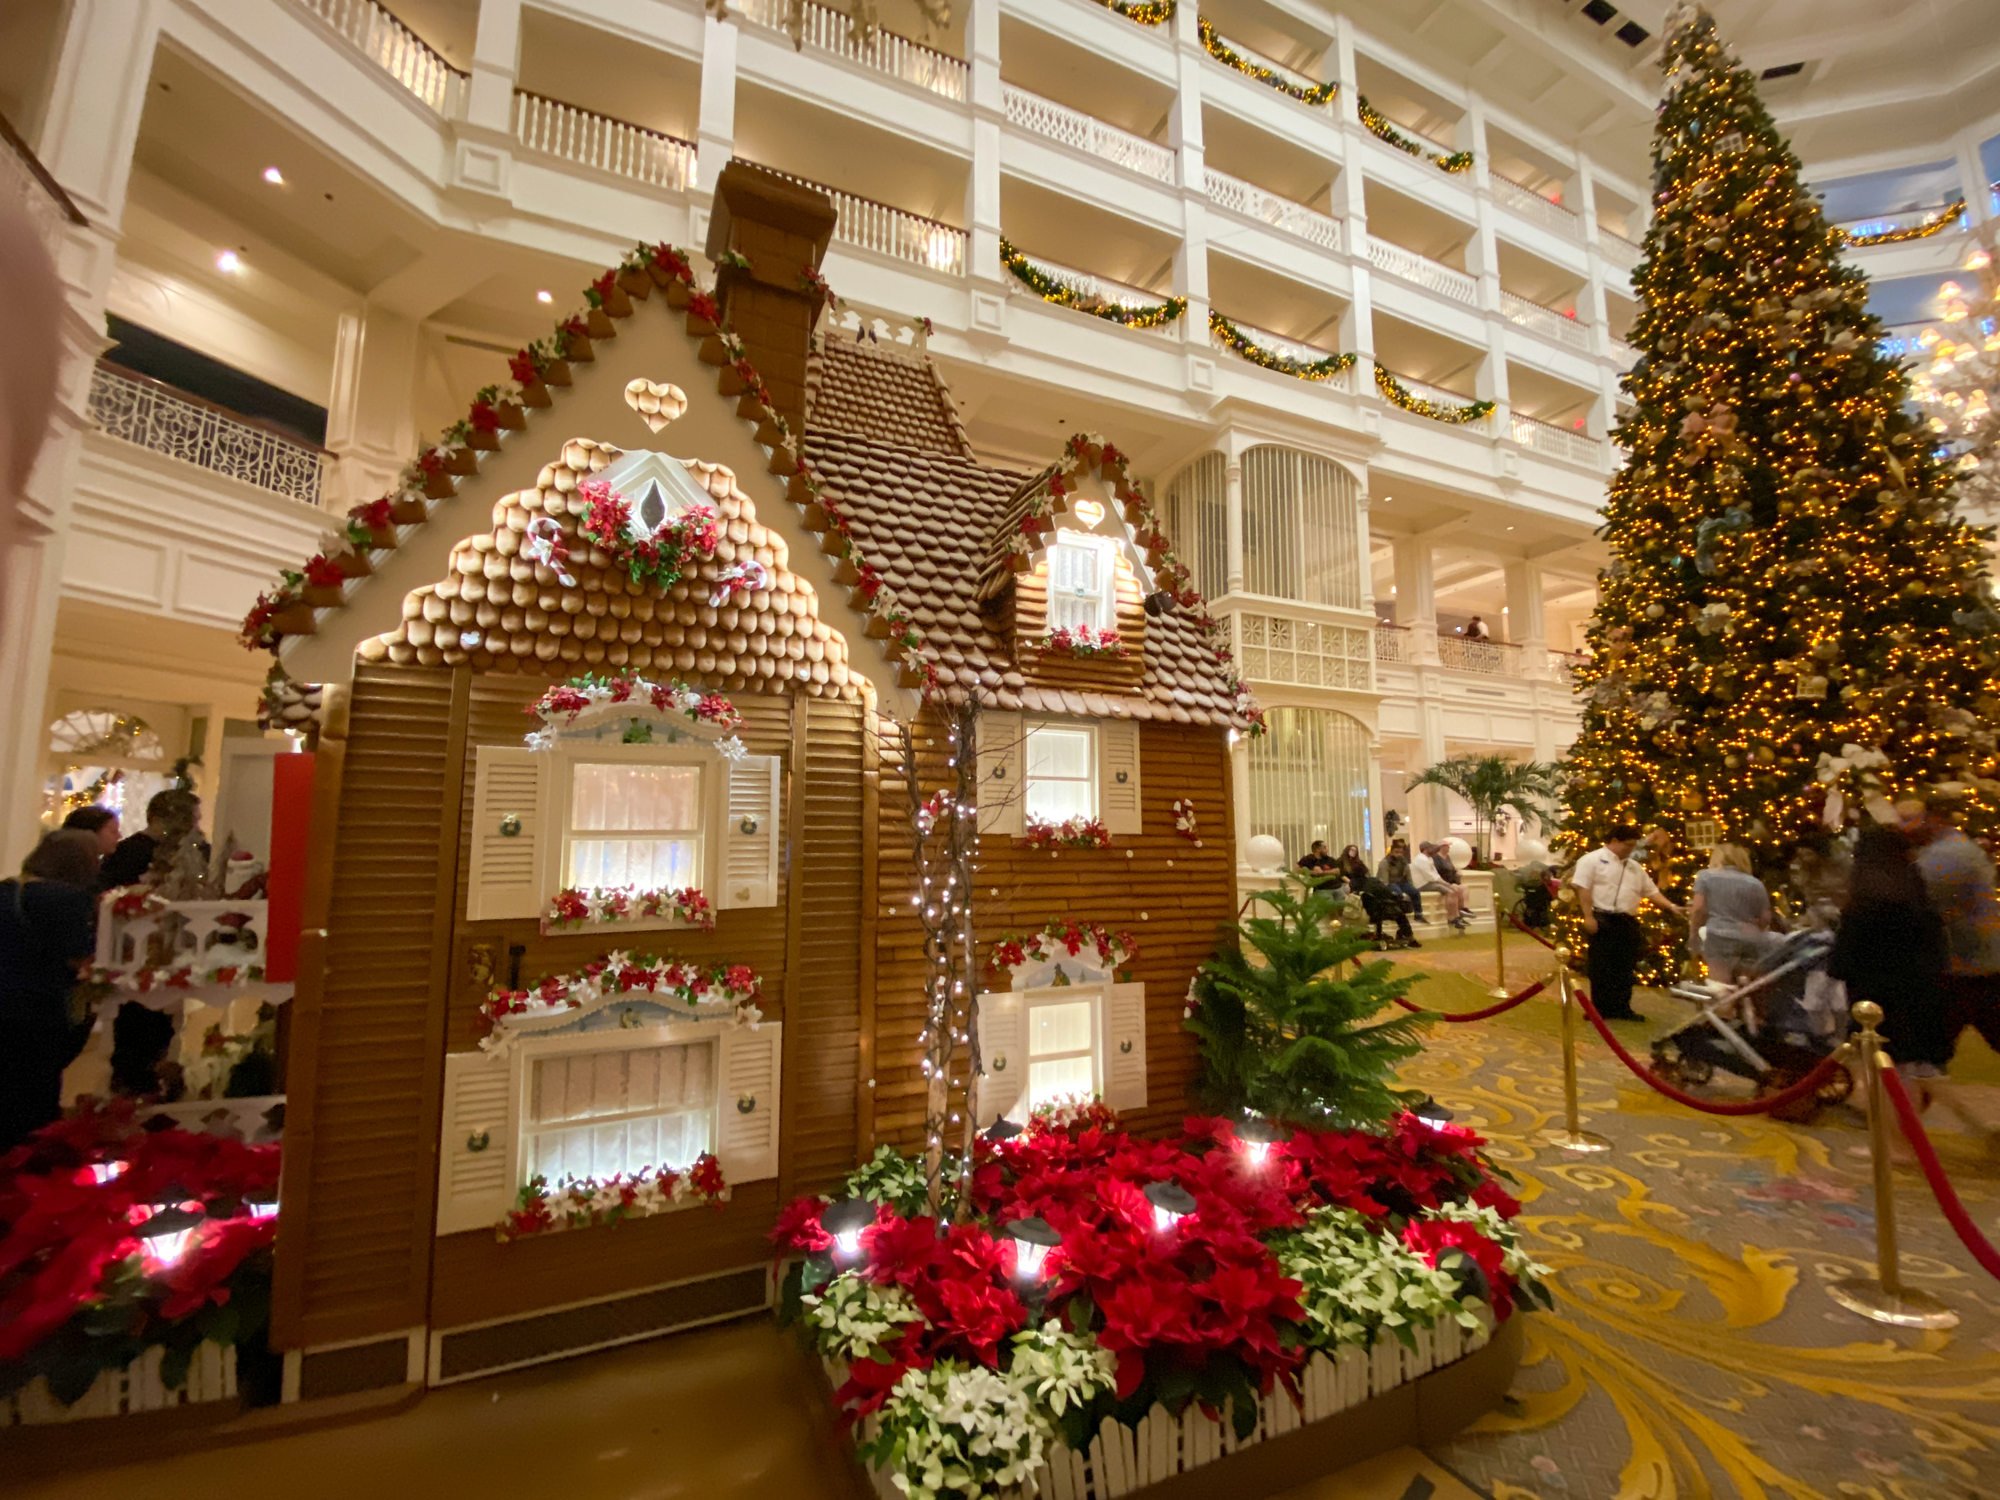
273,176
543,297
228,262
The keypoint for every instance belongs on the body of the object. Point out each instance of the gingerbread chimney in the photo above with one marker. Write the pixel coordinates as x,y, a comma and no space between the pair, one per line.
781,228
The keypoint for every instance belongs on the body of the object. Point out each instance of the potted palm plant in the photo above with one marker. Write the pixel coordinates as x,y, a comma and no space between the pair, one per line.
1487,783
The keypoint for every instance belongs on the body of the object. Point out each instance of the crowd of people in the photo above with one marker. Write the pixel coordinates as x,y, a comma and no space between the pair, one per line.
48,931
1395,888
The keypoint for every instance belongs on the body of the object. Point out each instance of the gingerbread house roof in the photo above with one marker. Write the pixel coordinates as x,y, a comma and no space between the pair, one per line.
500,609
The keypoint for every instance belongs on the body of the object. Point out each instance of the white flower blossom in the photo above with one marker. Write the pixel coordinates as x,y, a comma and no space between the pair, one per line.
732,748
749,1017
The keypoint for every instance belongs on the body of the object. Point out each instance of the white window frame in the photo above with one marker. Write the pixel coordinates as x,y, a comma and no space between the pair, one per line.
1028,779
531,1050
714,806
1106,605
1040,998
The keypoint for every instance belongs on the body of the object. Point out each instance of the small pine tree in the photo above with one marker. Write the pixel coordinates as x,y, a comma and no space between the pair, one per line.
1789,575
1289,1039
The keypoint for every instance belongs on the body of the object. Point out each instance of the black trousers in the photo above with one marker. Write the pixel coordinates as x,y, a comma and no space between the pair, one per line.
1614,958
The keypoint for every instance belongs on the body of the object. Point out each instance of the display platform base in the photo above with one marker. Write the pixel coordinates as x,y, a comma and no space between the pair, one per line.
1356,1406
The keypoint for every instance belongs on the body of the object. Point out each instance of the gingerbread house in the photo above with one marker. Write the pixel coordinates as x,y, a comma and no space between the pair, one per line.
610,949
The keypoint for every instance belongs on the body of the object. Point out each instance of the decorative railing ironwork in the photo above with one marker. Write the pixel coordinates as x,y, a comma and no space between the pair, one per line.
396,50
1563,665
1533,205
609,145
1392,643
1424,271
830,30
27,182
1253,202
1310,653
896,232
1546,321
1087,133
1561,442
161,419
1494,658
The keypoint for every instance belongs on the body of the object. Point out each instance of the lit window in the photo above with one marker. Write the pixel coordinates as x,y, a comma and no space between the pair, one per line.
1062,773
1061,1058
1080,585
633,825
621,1110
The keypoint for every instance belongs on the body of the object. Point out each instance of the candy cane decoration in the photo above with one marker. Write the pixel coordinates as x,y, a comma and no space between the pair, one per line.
744,578
545,544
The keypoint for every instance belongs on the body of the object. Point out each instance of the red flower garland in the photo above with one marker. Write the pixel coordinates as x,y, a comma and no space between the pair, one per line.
661,559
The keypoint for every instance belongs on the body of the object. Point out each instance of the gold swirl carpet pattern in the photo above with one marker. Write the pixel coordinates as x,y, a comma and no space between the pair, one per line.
1694,1351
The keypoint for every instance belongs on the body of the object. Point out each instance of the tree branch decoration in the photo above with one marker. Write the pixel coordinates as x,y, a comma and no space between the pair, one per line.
1237,342
1402,396
944,839
1053,289
1314,94
1382,128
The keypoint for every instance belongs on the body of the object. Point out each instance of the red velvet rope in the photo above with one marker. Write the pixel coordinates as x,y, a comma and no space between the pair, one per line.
1523,927
1480,1015
1976,1244
1810,1084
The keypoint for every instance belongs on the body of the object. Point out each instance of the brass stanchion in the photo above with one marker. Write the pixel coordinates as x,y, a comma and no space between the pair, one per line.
1572,1136
1883,1296
1499,990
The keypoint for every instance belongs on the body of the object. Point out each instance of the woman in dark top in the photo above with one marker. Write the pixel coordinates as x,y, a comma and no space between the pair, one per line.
1890,949
1352,866
48,919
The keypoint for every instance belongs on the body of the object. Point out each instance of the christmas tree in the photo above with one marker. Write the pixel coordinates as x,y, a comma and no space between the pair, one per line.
1794,624
1958,380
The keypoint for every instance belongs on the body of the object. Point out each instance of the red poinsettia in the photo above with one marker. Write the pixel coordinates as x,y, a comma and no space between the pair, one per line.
323,573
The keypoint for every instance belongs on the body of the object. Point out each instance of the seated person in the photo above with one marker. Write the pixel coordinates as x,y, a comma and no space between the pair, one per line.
1425,876
1394,872
1321,868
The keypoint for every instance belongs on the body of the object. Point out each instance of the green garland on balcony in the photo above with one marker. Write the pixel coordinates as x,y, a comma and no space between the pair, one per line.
1380,126
1050,289
1222,52
1416,405
1943,220
1142,12
1241,345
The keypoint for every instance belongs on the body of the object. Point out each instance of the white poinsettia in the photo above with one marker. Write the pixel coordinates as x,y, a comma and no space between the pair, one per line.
1058,1369
1360,1282
959,1431
856,1318
732,748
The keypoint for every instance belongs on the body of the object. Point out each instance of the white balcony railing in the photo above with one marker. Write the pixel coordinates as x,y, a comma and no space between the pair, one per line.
1424,271
1546,321
1087,133
1532,205
896,232
1559,442
396,50
1623,354
594,140
25,181
1438,396
1392,643
1621,252
1253,202
163,420
1494,658
1292,349
1104,289
1291,76
830,30
1563,665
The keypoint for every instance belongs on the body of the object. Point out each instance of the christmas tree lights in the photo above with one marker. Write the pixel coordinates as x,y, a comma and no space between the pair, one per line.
1960,373
1789,576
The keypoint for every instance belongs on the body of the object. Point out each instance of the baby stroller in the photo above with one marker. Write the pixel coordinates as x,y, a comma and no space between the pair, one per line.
1380,904
1536,887
1773,1029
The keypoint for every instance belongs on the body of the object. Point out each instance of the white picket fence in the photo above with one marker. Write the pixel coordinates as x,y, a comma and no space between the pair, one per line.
136,1388
1121,1459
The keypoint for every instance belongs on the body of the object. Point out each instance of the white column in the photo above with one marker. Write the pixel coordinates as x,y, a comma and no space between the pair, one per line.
1526,626
368,416
1350,202
1430,814
1184,135
1364,568
1233,490
496,60
715,129
986,278
1972,181
99,91
1416,596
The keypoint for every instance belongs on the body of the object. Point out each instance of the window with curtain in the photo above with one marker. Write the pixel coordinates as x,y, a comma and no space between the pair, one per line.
1301,528
1062,773
1197,516
1081,591
1062,1054
622,1110
1309,780
634,825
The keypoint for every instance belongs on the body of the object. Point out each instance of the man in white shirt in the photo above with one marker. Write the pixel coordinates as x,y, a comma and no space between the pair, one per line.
1425,876
1610,886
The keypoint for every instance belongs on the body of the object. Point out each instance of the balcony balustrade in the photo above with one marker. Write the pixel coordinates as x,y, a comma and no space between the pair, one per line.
1292,349
1253,202
1621,252
25,181
1909,218
1532,205
163,420
1087,133
1546,321
594,140
1104,289
1492,658
1564,665
1437,395
1290,76
895,232
827,30
1425,272
1392,644
1559,442
396,50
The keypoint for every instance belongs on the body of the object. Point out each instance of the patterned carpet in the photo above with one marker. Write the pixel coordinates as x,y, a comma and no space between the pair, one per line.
1694,1351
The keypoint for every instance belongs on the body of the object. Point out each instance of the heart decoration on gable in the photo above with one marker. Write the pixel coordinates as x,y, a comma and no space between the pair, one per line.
656,404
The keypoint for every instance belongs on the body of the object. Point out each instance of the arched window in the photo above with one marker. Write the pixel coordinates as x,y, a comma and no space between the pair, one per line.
1197,516
101,756
1309,780
1301,533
